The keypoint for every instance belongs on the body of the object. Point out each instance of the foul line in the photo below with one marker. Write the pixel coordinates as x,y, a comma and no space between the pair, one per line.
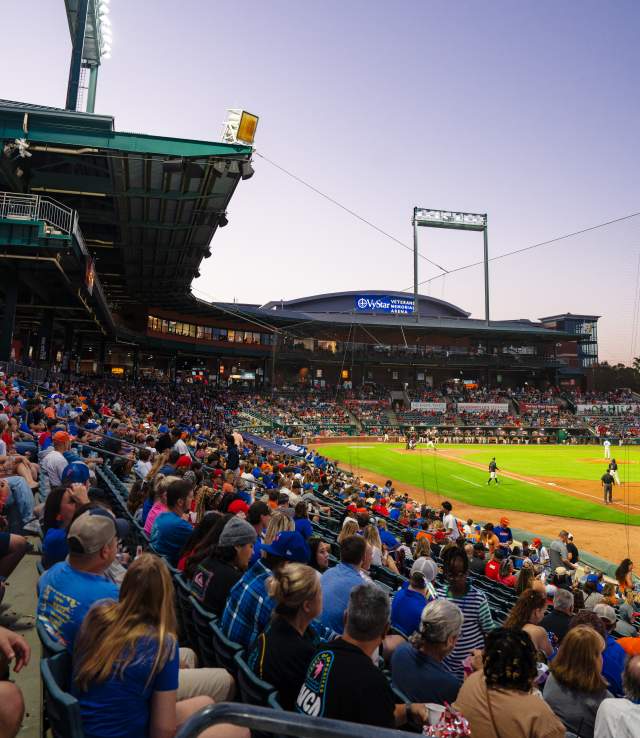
475,484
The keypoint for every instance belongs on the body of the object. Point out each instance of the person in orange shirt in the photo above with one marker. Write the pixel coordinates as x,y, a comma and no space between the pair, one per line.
50,410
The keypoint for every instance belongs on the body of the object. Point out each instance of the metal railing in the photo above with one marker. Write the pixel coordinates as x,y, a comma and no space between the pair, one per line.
279,723
35,207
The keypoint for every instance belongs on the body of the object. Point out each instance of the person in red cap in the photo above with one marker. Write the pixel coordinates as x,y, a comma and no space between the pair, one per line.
505,536
238,507
183,462
54,463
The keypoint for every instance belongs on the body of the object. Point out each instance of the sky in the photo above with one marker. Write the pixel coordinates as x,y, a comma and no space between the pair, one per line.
528,111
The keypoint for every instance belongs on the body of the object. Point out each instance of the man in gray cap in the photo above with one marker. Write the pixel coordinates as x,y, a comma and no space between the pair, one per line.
216,575
69,588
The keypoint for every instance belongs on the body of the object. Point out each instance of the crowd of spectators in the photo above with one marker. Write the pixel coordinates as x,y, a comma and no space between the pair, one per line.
316,574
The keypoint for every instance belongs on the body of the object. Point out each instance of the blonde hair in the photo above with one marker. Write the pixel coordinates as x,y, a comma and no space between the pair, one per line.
106,643
423,548
575,664
291,586
161,460
278,523
372,537
350,528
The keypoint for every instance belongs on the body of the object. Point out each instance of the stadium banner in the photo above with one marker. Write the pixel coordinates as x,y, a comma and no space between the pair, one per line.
483,407
383,304
429,407
532,407
611,409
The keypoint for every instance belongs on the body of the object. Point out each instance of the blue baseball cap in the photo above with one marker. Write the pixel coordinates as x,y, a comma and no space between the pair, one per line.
290,545
163,428
76,472
592,578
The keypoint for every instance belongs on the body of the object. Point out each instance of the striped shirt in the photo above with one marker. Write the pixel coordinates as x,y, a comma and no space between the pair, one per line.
477,623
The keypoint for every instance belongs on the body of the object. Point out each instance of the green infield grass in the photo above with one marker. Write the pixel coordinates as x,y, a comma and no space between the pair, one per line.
448,477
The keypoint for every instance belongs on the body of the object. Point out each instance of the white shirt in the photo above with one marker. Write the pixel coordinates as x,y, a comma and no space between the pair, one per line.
53,465
606,444
617,718
450,523
181,447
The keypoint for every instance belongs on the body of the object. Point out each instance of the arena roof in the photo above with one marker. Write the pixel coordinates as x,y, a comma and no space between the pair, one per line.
148,205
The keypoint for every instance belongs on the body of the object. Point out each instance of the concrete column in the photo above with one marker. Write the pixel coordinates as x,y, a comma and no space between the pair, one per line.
45,337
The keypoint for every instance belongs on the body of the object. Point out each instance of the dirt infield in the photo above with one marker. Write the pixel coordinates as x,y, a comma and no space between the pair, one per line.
611,541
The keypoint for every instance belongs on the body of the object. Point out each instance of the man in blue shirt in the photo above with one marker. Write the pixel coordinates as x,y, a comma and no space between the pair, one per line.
70,588
388,539
170,530
337,582
505,536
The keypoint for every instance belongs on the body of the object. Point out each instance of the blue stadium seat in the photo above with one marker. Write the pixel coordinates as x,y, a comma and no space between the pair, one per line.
253,690
61,709
50,647
201,621
225,649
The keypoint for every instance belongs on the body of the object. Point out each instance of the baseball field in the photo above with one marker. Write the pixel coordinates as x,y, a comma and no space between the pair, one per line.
539,486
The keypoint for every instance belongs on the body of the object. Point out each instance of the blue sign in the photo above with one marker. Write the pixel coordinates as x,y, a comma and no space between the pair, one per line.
384,304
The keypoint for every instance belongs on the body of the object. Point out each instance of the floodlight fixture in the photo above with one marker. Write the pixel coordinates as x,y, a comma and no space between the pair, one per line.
240,127
450,219
457,220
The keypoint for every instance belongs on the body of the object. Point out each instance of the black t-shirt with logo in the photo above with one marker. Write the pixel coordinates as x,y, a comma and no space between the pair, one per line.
343,684
212,583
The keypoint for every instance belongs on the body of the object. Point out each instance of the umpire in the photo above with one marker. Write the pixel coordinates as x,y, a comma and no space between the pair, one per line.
607,485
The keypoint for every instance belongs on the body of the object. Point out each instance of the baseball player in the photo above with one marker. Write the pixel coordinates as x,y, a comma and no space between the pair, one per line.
607,487
606,445
613,470
493,471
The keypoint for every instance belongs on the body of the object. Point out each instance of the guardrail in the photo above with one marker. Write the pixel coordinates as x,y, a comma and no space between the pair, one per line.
15,206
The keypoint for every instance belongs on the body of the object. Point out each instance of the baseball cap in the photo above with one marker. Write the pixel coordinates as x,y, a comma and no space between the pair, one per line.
593,578
93,529
184,462
61,437
290,545
75,472
238,506
605,612
237,532
537,542
504,521
425,566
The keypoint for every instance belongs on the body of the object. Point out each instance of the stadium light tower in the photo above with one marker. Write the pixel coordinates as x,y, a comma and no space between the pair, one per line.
430,218
91,42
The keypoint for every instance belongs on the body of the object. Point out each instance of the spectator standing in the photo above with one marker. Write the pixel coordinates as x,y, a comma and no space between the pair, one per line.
450,521
558,553
498,700
572,550
504,534
478,562
575,688
416,666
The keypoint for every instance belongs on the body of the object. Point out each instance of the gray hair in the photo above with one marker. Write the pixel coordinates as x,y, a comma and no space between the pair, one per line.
631,678
440,620
563,600
367,613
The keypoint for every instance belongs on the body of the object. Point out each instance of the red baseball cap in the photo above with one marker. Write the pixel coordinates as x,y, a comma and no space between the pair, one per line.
183,461
238,506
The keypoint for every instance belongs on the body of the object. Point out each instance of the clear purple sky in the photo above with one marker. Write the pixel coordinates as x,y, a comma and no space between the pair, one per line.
529,111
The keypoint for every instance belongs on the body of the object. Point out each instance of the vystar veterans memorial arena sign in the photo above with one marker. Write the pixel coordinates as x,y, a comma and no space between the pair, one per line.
383,304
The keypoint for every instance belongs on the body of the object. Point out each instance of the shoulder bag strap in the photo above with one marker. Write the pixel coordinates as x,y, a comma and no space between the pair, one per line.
491,716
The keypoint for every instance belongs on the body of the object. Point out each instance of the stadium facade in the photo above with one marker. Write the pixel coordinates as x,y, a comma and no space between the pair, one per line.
102,233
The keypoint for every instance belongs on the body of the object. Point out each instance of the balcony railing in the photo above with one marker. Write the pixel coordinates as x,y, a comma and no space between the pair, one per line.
35,207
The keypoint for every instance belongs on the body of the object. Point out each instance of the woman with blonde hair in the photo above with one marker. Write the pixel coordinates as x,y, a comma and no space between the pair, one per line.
576,687
126,660
349,528
422,548
526,615
282,652
380,556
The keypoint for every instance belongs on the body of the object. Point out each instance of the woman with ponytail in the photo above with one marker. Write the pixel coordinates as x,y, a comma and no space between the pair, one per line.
282,653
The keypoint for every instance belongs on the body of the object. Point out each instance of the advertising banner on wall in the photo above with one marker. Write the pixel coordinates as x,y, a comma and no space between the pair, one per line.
607,409
429,407
483,407
383,304
532,407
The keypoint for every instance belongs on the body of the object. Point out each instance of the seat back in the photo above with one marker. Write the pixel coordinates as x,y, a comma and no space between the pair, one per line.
62,710
225,649
254,691
201,619
188,636
50,647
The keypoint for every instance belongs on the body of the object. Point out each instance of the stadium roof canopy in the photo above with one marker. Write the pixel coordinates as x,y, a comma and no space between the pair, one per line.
148,205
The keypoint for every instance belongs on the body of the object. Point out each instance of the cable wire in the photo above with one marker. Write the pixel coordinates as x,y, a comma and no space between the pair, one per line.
348,210
530,248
